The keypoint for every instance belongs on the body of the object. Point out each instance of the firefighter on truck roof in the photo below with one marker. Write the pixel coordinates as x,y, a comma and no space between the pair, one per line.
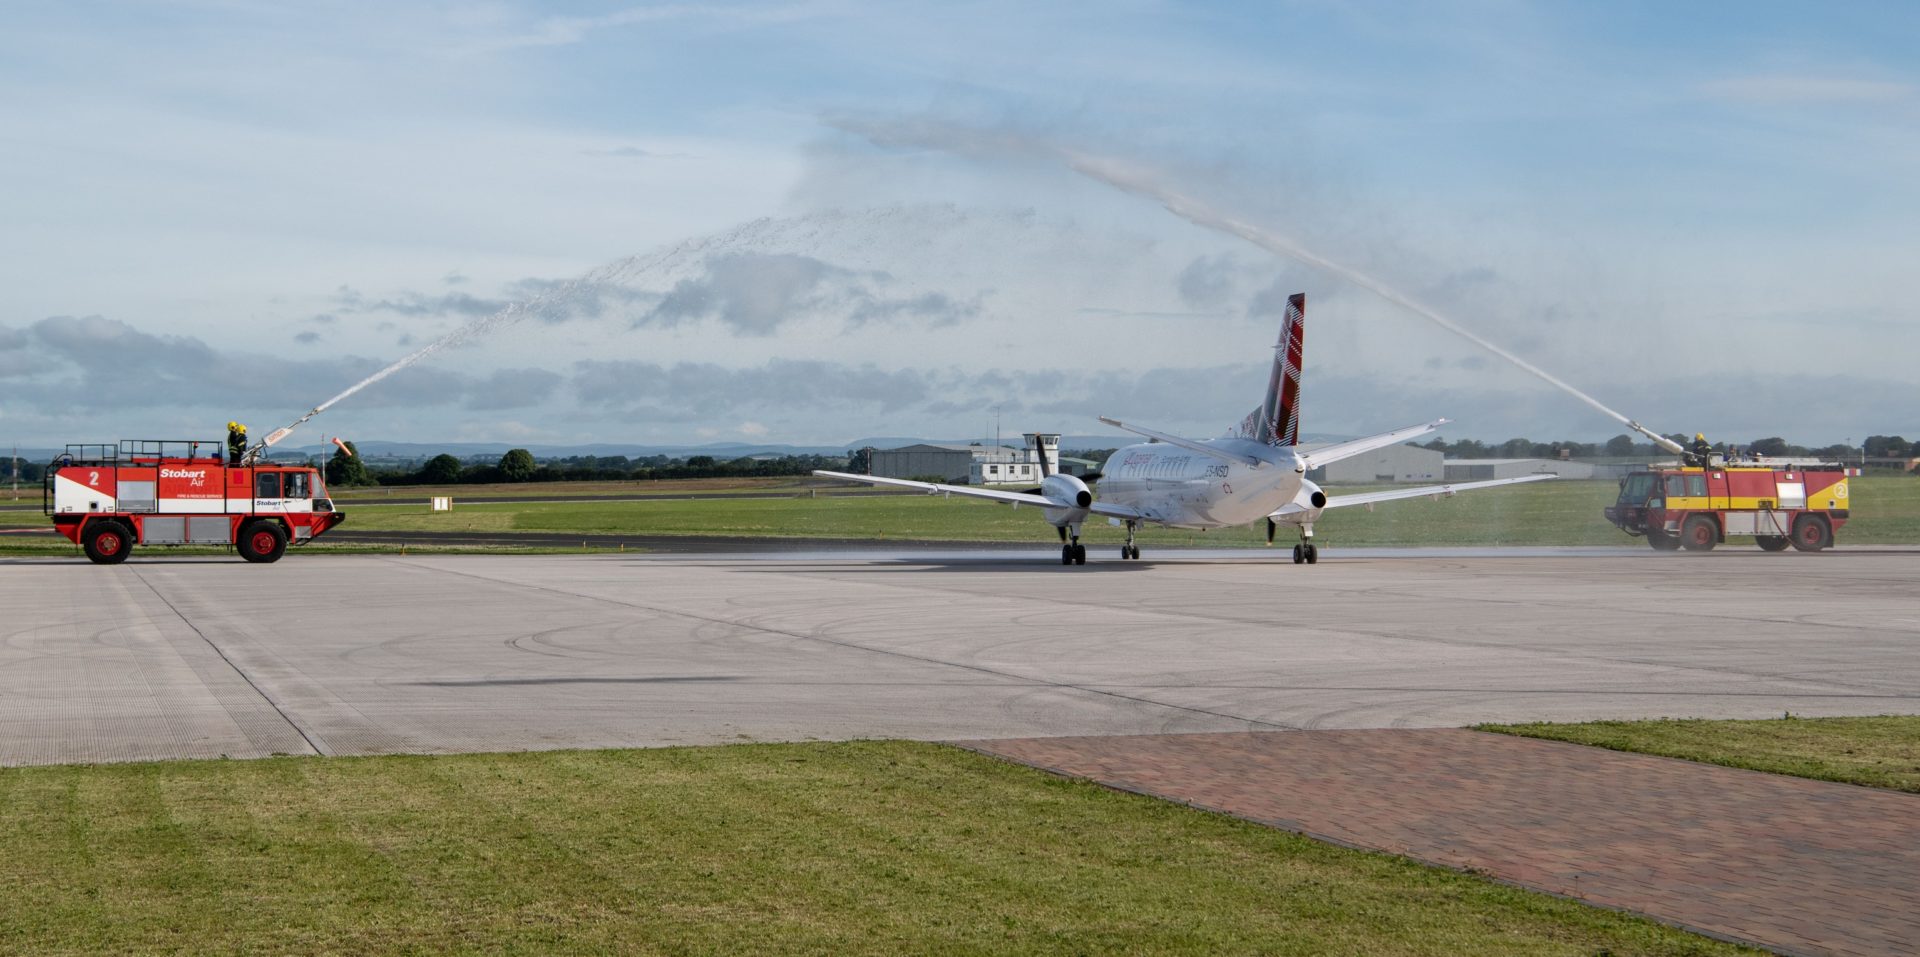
236,442
1702,450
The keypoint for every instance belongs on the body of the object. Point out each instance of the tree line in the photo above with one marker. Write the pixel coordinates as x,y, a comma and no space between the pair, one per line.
1625,446
346,469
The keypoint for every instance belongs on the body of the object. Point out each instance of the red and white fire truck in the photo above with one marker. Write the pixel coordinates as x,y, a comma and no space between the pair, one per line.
108,498
1697,508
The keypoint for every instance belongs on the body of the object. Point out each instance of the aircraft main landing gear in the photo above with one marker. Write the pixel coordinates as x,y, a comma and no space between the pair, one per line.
1072,553
1306,553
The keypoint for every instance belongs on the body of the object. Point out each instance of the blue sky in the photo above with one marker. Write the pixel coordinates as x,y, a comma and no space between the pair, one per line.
1704,214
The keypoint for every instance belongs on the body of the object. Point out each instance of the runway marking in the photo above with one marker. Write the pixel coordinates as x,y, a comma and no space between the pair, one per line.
856,646
242,672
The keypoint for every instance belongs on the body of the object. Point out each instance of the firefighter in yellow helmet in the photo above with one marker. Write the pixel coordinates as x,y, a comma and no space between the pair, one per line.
236,443
1702,452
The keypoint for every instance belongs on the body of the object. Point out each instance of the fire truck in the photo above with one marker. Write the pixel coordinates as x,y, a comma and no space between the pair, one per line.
109,498
1696,508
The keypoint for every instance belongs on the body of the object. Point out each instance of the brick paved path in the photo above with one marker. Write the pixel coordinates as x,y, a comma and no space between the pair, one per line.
1800,866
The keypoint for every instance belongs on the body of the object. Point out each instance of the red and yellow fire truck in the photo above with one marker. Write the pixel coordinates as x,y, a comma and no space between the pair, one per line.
107,499
1697,508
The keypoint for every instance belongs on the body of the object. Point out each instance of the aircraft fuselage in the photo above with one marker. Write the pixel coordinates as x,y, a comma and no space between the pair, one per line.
1188,489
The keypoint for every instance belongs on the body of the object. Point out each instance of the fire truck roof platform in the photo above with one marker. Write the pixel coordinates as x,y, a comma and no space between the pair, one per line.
131,451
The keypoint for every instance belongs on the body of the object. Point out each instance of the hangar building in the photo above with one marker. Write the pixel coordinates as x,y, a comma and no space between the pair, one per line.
1395,463
969,464
1476,470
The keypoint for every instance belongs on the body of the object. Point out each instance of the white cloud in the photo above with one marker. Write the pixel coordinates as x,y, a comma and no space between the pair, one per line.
568,31
1805,90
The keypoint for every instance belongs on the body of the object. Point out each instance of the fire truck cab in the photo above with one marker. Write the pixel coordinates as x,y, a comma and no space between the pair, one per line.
1697,508
107,499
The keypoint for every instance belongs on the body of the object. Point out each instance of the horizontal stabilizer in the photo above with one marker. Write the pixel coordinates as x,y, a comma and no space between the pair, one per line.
1347,450
1189,444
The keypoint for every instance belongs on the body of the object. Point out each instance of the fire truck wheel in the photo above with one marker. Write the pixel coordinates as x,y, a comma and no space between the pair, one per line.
107,543
1698,534
262,542
1810,534
1661,541
1772,543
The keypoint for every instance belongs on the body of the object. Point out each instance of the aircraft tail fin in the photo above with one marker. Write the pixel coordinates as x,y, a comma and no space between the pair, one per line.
1277,420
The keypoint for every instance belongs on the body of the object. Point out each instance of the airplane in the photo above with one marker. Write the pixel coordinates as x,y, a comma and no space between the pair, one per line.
1257,471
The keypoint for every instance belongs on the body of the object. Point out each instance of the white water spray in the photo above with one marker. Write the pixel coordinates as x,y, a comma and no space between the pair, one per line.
800,233
1141,182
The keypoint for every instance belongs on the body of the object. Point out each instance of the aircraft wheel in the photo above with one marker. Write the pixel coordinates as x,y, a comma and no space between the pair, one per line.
1136,552
1079,554
262,542
107,543
1066,554
1313,554
1773,543
1299,554
1810,534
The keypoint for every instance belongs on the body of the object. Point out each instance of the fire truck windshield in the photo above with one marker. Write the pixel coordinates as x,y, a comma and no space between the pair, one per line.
1635,489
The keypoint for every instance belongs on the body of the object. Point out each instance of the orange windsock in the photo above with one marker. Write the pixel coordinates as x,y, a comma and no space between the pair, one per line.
343,445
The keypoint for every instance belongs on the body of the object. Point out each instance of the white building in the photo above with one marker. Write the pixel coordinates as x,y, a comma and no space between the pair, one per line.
1002,466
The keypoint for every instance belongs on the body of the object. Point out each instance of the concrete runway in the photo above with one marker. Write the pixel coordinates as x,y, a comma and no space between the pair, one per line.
366,654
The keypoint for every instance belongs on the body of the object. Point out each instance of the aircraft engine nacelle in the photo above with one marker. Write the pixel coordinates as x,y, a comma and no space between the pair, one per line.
1072,497
1308,502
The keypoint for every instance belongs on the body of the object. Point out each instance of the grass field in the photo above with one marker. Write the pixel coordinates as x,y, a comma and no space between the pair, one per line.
1887,511
789,483
774,849
1878,752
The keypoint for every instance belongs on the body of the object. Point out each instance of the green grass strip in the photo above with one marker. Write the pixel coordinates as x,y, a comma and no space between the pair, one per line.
1882,752
858,848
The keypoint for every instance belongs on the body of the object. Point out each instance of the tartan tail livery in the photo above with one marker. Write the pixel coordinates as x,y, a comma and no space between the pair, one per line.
1277,420
1257,472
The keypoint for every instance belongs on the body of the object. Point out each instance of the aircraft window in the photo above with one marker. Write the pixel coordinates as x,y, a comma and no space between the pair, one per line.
266,485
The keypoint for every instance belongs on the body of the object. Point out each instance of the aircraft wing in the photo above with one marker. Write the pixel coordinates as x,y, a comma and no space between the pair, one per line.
1368,498
992,495
1188,444
1347,450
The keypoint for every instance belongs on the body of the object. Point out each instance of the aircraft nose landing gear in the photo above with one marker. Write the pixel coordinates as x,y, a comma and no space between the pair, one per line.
1129,550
